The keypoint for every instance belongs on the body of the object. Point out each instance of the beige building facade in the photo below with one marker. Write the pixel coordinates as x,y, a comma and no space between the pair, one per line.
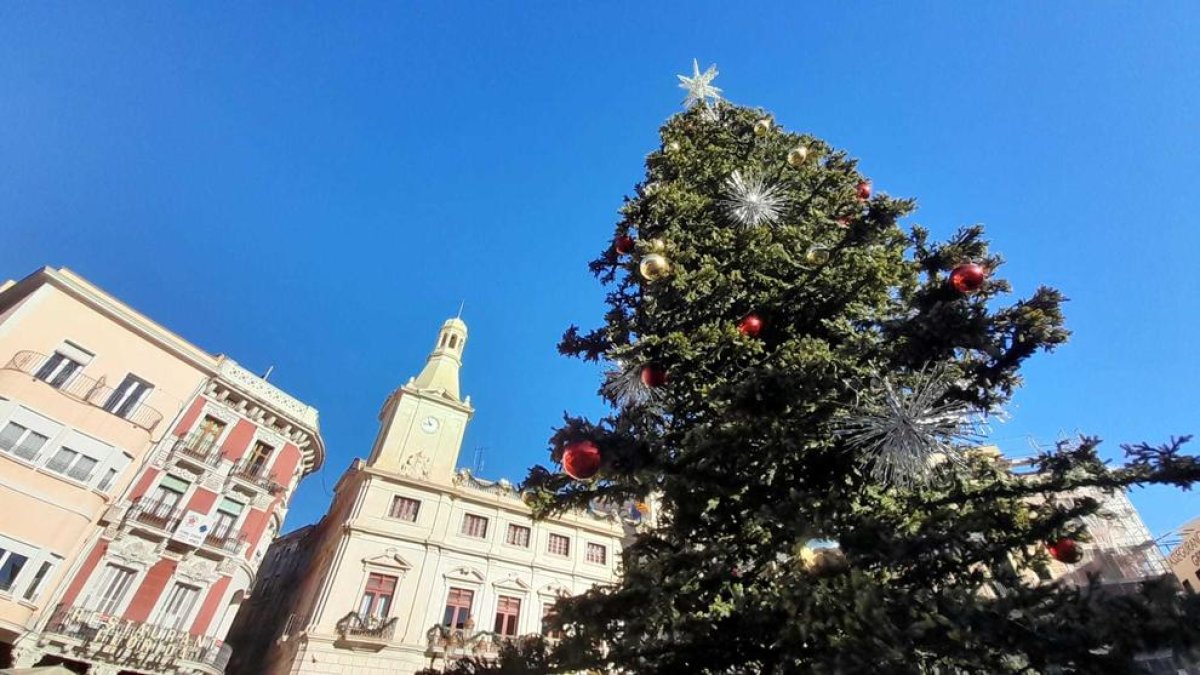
416,563
124,449
1184,559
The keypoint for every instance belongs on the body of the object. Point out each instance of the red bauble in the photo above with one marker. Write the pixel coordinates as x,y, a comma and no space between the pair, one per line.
581,460
623,244
1065,551
750,326
653,376
863,189
968,277
843,222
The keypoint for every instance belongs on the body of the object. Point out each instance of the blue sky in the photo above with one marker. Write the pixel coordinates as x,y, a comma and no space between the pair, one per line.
317,186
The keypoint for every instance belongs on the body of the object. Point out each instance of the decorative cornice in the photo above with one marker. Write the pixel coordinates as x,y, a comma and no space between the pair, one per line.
233,373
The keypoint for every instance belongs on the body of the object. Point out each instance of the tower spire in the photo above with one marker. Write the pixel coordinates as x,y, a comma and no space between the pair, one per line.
441,369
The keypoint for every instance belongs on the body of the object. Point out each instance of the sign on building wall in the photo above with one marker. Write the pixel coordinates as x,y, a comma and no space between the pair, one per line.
193,528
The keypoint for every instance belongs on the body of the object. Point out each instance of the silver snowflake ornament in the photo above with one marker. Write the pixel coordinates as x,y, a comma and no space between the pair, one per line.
623,386
699,86
750,201
905,434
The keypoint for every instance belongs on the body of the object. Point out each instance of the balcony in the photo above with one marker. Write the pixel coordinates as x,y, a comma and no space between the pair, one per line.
198,448
368,632
86,390
227,542
456,643
134,645
256,478
158,515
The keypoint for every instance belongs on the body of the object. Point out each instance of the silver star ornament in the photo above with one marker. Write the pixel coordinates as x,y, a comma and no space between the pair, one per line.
699,86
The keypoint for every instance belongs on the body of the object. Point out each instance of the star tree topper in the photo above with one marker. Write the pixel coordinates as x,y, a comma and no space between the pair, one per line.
699,86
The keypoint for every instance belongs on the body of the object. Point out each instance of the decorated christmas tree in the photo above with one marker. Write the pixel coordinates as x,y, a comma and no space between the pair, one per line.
801,386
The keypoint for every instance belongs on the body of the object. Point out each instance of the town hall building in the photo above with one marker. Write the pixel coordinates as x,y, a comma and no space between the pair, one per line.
418,563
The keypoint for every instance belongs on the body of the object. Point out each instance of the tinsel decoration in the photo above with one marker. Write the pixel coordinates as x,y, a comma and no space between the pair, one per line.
623,385
750,201
905,433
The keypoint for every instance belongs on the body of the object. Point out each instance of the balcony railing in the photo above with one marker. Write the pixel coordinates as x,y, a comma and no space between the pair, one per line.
86,389
161,515
198,447
136,645
366,630
455,643
228,541
256,476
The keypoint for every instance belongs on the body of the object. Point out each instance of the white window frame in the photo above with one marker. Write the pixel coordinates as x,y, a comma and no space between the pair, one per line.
21,439
65,472
121,396
103,579
562,556
34,557
182,622
487,526
528,536
587,546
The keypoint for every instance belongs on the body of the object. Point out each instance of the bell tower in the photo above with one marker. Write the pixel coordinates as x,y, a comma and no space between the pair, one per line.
422,423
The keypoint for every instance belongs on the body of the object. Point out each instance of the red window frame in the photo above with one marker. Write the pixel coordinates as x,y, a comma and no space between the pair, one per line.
559,544
458,608
508,615
377,596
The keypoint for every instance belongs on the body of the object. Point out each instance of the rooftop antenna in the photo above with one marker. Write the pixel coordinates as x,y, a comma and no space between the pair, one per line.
477,466
267,374
460,309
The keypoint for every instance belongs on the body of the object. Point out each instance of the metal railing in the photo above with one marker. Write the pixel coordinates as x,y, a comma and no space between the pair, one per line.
156,514
136,645
453,643
85,389
372,628
256,476
228,541
200,447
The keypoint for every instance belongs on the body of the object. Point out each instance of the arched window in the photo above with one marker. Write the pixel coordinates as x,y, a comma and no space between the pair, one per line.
453,341
444,336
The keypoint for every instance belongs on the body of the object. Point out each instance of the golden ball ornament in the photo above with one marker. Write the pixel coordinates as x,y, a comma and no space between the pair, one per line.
816,255
762,127
823,561
797,156
655,267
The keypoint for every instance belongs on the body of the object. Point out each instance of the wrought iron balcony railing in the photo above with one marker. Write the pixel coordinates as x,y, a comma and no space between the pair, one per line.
161,515
135,645
228,541
453,643
256,476
85,389
198,447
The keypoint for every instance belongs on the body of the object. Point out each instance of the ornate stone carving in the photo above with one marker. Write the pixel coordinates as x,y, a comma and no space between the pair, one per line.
259,387
213,481
134,551
263,500
198,570
416,466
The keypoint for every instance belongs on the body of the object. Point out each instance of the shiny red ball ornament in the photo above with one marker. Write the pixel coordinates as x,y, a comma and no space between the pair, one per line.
581,460
863,189
750,326
1065,551
623,244
653,376
968,277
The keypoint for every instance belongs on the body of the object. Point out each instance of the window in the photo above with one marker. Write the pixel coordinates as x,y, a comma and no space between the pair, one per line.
258,458
107,480
114,584
508,613
11,564
20,441
204,438
168,494
177,609
547,612
126,398
453,341
58,370
72,464
518,535
458,608
597,553
228,513
377,598
559,545
31,592
405,509
474,526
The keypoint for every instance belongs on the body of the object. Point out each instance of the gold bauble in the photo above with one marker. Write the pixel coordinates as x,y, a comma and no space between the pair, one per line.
654,267
762,127
797,156
823,561
816,255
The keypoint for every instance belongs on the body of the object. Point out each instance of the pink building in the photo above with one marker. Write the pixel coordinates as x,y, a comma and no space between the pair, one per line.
149,478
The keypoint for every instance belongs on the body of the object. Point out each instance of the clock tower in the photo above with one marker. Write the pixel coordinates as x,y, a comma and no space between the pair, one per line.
422,423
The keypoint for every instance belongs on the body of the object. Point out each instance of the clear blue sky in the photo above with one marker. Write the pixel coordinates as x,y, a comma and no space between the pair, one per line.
317,186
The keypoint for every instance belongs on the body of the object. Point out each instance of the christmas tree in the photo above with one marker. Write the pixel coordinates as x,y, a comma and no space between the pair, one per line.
800,389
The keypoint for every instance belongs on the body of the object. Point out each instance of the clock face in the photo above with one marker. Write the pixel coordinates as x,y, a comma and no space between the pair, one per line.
429,425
